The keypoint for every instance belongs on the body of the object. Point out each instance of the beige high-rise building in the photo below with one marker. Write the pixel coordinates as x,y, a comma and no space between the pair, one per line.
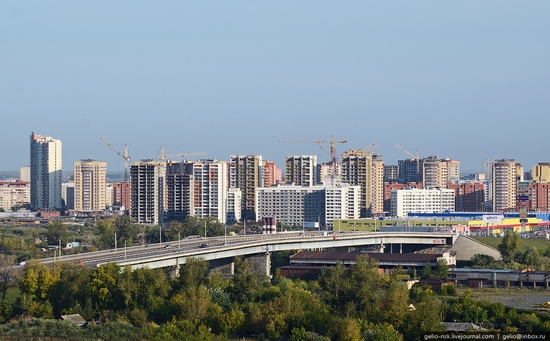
541,172
90,181
377,184
438,172
357,171
25,173
453,169
245,173
504,184
300,169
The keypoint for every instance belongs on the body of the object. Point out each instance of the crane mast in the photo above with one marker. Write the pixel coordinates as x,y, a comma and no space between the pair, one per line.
331,152
124,155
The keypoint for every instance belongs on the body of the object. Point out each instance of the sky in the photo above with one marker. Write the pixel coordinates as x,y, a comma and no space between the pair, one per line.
468,80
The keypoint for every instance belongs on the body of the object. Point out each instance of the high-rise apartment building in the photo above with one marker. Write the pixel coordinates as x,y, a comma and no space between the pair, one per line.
539,192
300,169
434,172
269,173
147,180
25,173
410,170
453,169
233,206
67,194
438,172
90,181
504,184
357,171
391,173
377,207
541,172
121,195
46,175
210,189
180,191
469,196
245,173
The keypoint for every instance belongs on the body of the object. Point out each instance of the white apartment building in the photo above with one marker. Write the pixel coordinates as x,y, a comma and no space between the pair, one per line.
210,189
233,206
342,202
90,181
414,200
46,175
297,205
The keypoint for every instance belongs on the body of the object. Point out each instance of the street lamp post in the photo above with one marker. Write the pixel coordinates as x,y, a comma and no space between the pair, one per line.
124,247
225,235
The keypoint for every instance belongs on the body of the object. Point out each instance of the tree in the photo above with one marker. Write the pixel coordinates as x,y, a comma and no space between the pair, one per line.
441,269
426,271
193,273
510,246
56,231
532,258
6,275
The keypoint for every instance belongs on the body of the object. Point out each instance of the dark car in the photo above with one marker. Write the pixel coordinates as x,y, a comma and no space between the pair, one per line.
203,245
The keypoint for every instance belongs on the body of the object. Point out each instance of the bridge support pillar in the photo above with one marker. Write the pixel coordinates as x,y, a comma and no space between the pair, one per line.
261,263
174,271
226,266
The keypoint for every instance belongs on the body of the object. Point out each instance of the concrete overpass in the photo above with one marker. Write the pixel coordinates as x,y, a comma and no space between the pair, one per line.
221,251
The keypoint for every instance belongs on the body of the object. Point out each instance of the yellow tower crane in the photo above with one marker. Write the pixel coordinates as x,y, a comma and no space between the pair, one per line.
331,152
125,156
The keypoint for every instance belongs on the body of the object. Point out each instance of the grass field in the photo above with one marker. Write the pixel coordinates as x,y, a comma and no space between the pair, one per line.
540,243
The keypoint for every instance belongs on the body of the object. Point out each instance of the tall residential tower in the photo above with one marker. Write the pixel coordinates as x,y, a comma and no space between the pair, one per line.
45,172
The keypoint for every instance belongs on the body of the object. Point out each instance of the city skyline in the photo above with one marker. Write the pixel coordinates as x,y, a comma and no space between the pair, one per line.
119,161
466,80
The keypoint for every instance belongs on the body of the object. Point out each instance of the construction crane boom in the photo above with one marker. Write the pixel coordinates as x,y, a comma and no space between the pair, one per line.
413,157
125,156
416,157
371,147
164,156
332,152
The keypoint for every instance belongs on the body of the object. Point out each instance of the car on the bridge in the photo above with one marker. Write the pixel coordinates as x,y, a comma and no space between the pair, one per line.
203,245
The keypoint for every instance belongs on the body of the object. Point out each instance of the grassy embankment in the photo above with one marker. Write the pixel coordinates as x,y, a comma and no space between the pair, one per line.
540,243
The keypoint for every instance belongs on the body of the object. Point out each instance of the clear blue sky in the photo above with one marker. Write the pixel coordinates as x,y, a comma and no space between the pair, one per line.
460,79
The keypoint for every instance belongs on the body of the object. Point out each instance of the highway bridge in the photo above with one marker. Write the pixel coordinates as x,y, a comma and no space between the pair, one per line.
220,251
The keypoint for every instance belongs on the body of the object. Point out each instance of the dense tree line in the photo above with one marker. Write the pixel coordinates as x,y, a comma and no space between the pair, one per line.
355,303
513,258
